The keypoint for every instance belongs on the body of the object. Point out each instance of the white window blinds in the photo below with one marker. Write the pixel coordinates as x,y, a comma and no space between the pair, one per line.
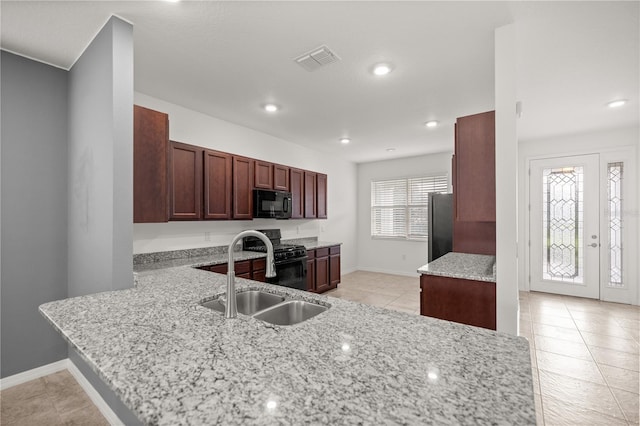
399,207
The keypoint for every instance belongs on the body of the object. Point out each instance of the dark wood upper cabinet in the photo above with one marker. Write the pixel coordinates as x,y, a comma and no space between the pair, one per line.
280,177
296,183
217,185
185,188
263,175
321,196
310,202
242,188
475,177
150,165
474,185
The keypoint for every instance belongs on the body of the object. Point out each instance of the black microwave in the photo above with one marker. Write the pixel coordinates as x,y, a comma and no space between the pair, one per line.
271,204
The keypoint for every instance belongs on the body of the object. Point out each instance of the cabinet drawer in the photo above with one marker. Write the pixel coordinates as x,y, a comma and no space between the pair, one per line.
220,269
259,264
322,252
243,267
334,250
311,254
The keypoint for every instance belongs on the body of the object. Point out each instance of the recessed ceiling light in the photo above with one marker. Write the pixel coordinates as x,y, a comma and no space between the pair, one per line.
617,103
390,149
432,123
172,1
381,69
345,140
271,107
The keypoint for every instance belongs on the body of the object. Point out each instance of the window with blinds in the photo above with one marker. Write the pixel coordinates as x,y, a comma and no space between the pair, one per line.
399,206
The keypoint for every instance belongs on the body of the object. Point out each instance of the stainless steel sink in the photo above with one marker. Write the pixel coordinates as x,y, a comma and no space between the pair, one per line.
290,312
249,302
269,307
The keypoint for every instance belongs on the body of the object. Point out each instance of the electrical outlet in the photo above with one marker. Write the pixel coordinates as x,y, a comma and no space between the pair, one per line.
404,257
297,229
207,236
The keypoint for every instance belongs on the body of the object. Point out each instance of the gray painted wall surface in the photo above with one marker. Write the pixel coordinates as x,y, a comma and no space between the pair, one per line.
34,210
126,416
100,171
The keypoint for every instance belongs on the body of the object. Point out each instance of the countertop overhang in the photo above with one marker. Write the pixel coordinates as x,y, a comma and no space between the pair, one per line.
172,361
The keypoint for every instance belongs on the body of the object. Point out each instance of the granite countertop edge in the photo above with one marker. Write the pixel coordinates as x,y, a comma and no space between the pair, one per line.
475,267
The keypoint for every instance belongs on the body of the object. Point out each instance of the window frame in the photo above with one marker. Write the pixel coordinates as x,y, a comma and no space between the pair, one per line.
440,179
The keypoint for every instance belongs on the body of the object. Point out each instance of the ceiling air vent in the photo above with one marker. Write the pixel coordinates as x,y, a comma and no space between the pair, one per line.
317,58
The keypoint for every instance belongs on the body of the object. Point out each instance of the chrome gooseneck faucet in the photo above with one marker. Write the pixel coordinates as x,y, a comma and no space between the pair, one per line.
231,307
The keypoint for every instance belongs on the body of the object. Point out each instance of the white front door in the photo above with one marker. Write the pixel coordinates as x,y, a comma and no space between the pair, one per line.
565,225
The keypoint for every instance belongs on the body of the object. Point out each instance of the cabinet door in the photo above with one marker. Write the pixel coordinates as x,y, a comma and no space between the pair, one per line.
297,193
263,175
258,270
311,275
280,177
334,266
475,186
310,195
242,188
150,166
322,269
220,269
217,185
321,199
186,182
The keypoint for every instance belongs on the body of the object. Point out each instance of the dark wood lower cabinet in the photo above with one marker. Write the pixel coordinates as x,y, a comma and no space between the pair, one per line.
459,300
322,270
334,266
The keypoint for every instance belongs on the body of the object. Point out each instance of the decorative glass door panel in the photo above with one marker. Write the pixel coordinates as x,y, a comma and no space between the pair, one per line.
564,228
562,224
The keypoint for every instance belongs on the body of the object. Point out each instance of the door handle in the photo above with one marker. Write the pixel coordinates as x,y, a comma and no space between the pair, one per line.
594,244
285,204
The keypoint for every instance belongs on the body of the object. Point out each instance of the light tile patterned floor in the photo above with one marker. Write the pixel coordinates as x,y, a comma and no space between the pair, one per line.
53,400
584,354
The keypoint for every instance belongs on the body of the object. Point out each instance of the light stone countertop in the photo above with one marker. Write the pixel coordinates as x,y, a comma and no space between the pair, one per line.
478,267
172,361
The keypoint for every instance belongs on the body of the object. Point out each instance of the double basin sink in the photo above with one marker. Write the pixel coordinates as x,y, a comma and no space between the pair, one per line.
269,307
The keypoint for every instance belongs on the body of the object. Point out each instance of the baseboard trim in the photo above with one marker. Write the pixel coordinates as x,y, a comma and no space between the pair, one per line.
390,272
36,373
93,394
54,367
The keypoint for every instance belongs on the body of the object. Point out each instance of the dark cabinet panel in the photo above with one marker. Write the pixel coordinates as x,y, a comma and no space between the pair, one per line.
297,193
217,185
459,300
185,182
280,177
242,188
475,178
334,266
220,269
263,175
310,185
322,269
150,165
321,189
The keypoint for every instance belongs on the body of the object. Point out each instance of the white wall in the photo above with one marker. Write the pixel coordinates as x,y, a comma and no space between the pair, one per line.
100,163
194,128
393,256
506,189
588,143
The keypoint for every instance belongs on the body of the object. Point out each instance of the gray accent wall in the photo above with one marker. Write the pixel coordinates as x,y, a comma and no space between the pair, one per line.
100,170
34,210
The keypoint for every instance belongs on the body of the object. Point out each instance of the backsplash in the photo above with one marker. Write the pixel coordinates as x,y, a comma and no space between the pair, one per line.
163,256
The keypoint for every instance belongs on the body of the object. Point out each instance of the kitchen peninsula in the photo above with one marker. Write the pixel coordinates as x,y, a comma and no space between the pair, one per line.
172,361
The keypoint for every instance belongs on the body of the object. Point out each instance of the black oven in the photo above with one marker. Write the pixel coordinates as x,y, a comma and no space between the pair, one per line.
291,273
290,259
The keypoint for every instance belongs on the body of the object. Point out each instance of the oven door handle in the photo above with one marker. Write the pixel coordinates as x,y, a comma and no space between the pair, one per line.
292,260
285,204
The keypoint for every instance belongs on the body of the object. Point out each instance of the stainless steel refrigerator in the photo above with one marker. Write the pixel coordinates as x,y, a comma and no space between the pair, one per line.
440,225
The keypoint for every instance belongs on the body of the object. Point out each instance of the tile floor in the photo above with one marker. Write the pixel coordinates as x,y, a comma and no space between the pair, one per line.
53,400
584,354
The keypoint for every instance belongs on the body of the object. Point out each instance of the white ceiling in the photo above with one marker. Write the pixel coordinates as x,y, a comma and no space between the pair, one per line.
226,59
